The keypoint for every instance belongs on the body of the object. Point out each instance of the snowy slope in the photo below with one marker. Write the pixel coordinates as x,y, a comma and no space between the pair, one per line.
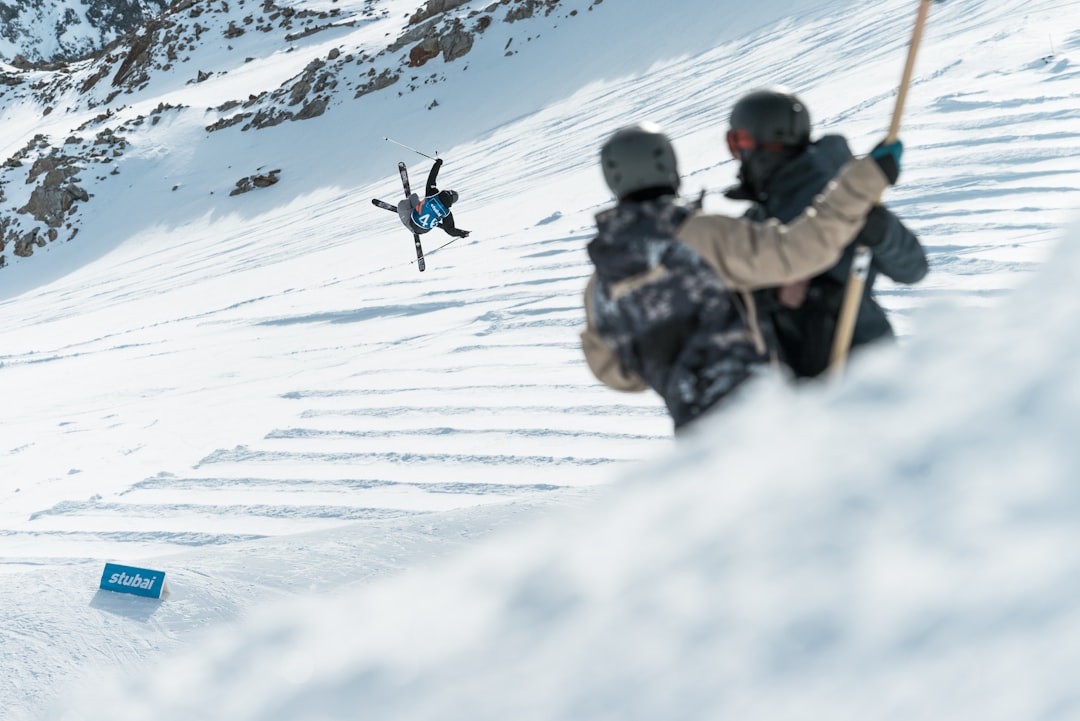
260,393
923,570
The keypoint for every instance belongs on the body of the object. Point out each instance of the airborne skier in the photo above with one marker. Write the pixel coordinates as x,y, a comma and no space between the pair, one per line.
420,216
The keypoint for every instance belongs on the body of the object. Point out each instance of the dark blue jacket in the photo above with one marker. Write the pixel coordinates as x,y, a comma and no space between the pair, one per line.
805,334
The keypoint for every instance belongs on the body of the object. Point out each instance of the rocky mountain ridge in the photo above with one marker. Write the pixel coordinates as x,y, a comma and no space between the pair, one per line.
42,183
36,32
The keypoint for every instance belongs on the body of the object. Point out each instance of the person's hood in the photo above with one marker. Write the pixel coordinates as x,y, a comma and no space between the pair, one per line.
626,236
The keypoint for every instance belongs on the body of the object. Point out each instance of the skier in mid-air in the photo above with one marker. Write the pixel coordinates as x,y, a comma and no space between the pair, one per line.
421,215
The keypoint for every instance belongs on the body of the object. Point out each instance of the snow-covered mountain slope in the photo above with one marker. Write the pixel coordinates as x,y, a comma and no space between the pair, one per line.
246,89
38,32
260,393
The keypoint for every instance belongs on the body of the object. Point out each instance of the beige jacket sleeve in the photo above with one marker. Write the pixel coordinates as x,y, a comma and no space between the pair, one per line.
753,255
602,360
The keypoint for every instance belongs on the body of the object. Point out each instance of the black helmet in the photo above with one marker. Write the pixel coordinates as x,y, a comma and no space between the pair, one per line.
452,196
639,157
768,117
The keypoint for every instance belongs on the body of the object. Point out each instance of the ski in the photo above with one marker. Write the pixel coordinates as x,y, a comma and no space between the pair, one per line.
384,205
419,253
404,178
416,238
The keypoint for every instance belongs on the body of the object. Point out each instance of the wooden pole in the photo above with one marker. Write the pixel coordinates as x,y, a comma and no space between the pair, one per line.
860,265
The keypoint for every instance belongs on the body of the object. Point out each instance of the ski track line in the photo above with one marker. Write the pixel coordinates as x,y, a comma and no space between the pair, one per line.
434,411
224,483
536,433
247,455
80,538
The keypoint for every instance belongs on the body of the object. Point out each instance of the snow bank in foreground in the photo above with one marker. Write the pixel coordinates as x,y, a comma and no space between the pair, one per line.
900,548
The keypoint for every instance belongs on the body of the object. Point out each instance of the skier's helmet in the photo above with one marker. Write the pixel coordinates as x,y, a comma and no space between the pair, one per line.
639,157
451,197
771,118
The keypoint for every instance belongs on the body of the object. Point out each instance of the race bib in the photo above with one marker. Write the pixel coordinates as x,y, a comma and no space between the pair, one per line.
430,213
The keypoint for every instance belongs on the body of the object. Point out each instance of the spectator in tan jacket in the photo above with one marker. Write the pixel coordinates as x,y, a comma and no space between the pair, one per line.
669,306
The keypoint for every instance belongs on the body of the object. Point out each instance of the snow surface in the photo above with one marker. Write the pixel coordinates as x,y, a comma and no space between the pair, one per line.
385,494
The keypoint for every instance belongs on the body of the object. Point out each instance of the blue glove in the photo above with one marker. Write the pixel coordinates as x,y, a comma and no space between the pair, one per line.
887,156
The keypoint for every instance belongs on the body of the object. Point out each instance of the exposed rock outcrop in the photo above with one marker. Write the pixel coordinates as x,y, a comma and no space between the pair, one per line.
259,180
55,196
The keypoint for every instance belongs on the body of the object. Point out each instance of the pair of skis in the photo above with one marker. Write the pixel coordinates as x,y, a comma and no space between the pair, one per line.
393,209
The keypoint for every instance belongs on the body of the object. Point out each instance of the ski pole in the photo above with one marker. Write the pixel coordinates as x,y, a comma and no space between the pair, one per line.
432,252
391,140
860,265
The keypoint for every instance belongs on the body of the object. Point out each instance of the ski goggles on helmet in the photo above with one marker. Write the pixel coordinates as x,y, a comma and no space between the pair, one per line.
740,142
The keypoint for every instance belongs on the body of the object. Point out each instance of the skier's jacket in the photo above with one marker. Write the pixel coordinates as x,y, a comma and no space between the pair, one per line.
805,333
421,215
669,305
429,212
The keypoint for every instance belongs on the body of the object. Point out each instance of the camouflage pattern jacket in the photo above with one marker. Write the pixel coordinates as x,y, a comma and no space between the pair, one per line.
667,314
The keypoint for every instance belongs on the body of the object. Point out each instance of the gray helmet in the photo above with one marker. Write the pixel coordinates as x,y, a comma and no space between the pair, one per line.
772,116
639,157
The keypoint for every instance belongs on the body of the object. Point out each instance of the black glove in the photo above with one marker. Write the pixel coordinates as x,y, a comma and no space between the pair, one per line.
887,156
875,227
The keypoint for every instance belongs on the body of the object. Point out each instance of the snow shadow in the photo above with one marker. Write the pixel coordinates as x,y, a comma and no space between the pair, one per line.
134,607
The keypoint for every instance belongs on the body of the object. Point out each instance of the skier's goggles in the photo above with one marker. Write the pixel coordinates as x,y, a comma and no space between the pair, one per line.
739,141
